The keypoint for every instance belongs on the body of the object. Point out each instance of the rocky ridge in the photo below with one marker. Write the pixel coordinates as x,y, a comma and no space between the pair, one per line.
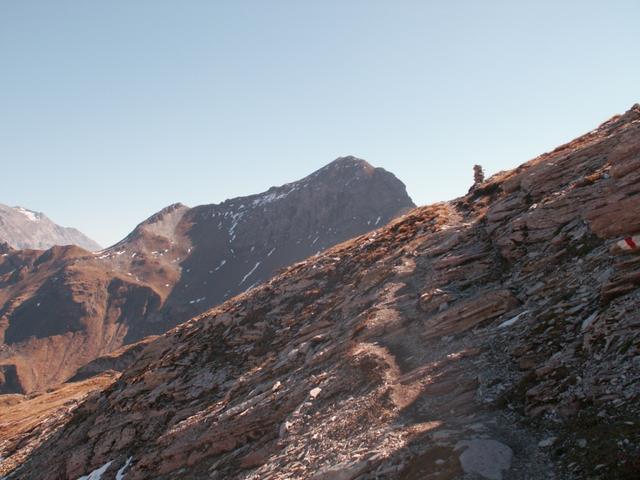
494,336
65,307
23,228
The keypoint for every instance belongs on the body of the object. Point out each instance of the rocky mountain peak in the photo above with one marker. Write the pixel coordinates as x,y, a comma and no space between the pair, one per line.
345,169
349,162
160,224
29,214
162,215
24,228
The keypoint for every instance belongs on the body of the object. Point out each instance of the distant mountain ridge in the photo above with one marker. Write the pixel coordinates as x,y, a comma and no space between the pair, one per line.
64,307
23,228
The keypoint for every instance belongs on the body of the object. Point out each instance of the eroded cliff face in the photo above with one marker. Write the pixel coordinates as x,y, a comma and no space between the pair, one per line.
493,336
64,307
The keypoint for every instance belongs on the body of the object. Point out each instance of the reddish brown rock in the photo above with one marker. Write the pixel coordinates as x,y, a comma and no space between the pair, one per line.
466,314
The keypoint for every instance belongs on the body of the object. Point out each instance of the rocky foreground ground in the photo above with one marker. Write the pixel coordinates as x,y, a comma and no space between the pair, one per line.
495,336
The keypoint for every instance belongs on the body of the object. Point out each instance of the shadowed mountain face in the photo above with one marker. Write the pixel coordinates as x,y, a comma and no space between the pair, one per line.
495,336
64,307
22,228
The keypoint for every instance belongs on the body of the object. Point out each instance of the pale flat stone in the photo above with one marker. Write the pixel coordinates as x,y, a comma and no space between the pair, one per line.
485,457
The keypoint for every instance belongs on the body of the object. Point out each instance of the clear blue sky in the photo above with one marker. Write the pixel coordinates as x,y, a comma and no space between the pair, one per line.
110,110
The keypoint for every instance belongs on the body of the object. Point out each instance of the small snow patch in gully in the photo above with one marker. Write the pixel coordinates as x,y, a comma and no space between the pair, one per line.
97,473
120,473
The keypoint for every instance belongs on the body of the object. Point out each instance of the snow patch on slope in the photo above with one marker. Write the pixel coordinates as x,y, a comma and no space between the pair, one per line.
31,215
236,219
120,473
97,473
250,272
266,198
